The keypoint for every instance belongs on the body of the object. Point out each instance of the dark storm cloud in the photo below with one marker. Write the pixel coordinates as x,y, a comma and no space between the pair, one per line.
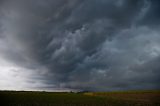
152,16
83,44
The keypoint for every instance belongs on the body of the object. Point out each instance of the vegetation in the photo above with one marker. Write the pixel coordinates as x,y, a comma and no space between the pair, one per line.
128,98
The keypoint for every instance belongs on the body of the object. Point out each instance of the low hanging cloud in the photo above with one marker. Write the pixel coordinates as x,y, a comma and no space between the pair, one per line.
79,44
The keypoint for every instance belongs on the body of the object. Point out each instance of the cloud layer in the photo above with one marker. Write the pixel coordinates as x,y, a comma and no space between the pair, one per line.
79,44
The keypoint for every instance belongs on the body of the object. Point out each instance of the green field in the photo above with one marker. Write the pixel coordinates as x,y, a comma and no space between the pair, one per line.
128,98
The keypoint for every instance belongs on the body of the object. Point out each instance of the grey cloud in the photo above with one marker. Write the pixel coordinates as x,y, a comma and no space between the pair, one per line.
83,44
152,16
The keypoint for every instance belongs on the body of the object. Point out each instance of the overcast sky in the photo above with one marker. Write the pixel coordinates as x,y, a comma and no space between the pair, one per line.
95,45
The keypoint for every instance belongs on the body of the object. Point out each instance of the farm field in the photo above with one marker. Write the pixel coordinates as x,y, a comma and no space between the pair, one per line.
125,98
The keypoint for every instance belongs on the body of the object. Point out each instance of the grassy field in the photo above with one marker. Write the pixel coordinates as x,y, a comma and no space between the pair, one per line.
128,98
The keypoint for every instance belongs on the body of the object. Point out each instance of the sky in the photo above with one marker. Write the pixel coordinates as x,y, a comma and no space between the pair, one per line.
97,45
